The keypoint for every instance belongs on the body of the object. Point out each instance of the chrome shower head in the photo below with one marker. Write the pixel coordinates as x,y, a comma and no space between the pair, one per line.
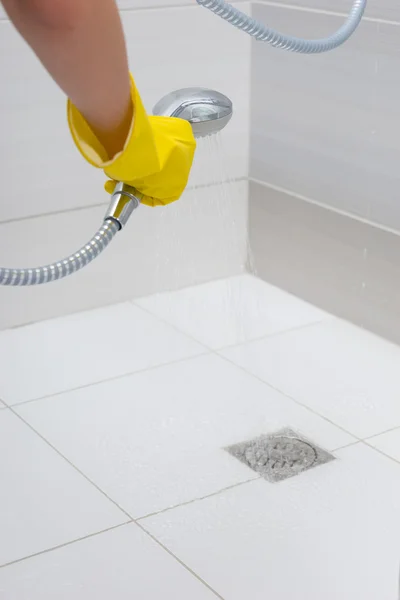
206,110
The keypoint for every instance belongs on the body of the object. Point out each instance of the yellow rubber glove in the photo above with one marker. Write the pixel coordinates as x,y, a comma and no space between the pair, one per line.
156,159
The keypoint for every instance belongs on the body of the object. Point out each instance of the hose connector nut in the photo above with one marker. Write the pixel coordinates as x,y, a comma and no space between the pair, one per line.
124,201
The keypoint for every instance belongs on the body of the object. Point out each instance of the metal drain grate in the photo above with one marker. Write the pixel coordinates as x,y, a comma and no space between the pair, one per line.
280,455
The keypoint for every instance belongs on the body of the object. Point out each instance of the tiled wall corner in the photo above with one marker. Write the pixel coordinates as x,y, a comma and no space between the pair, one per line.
325,147
346,267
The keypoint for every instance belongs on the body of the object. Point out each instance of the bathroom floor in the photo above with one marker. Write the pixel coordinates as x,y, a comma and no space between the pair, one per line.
115,481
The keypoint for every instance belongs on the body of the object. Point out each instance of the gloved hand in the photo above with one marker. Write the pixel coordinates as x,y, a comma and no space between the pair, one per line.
156,159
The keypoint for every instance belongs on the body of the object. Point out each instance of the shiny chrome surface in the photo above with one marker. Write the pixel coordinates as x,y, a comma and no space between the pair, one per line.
124,201
264,33
62,268
206,110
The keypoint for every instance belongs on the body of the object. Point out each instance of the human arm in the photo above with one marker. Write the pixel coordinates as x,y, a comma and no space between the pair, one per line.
81,44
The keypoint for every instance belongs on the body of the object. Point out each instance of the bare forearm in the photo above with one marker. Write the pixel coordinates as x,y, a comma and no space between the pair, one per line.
81,44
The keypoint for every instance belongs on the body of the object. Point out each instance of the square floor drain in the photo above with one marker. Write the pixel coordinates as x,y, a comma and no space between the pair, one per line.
278,456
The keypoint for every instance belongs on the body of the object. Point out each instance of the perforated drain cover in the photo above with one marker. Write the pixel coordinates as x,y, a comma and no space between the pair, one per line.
280,455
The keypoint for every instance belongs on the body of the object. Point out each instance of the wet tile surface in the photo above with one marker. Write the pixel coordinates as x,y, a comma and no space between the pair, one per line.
330,533
155,439
341,372
44,501
232,311
117,564
154,443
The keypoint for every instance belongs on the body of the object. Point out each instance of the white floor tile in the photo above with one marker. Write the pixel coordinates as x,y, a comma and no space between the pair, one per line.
331,533
223,313
44,502
155,439
2,405
62,354
388,442
340,371
124,563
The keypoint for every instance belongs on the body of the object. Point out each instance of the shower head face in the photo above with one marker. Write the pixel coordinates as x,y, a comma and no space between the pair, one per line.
206,110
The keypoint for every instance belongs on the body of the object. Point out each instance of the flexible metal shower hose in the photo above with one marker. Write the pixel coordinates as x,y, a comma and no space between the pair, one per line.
62,268
264,33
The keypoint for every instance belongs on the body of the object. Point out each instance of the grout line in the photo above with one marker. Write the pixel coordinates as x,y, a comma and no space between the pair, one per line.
337,211
217,353
192,286
54,213
173,6
249,341
207,351
153,8
130,518
72,464
185,566
194,500
136,521
267,336
356,438
77,540
349,445
370,437
190,188
176,328
98,533
103,381
381,452
287,6
320,11
171,325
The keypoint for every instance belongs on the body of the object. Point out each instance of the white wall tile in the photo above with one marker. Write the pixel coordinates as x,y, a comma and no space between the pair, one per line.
140,4
40,167
349,268
376,9
135,4
169,48
197,48
202,237
327,126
